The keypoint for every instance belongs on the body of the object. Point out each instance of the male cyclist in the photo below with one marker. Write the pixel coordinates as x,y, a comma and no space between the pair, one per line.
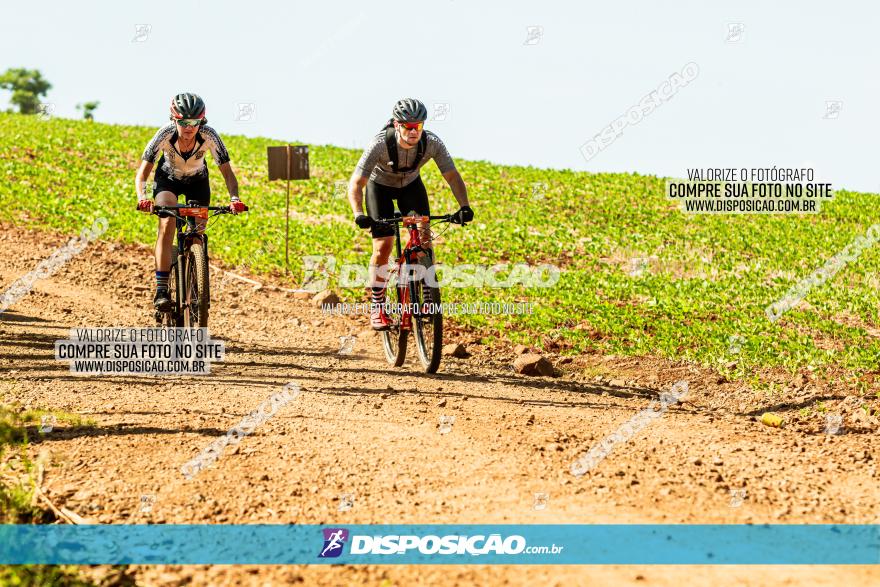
389,169
181,171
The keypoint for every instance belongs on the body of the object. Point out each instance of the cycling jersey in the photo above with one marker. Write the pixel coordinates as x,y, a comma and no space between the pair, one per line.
374,161
190,166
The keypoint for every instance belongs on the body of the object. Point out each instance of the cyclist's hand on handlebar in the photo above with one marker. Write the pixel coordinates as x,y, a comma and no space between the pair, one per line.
363,221
464,214
145,205
237,206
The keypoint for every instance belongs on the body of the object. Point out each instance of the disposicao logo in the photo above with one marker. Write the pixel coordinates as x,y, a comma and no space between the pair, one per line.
334,540
452,544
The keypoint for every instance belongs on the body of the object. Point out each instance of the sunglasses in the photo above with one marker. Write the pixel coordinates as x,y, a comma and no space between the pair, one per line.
189,121
412,125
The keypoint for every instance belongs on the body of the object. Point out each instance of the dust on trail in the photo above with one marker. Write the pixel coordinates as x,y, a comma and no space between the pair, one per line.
362,428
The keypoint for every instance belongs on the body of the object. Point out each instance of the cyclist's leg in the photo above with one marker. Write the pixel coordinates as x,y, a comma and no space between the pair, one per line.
164,244
380,204
166,232
165,192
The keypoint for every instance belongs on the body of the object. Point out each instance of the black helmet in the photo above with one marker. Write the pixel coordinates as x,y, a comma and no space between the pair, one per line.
187,105
409,110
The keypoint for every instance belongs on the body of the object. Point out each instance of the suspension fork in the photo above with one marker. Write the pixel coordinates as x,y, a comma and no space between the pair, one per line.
413,245
416,245
402,284
192,230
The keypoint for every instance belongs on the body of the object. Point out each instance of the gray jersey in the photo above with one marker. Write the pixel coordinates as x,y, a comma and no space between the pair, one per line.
374,161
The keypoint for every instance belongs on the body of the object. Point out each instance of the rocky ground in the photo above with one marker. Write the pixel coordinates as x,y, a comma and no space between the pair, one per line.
366,430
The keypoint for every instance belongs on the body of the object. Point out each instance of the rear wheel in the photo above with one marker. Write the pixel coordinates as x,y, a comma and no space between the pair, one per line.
195,306
428,322
395,338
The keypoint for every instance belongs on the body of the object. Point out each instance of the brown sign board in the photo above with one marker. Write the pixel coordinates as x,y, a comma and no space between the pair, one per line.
289,162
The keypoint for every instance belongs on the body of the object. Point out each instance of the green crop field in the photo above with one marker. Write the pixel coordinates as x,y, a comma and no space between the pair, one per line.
639,277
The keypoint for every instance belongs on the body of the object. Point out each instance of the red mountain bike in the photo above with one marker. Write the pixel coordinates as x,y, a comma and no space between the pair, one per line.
415,303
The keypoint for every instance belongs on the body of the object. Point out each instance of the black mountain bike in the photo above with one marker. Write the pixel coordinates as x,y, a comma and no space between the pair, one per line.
189,284
415,303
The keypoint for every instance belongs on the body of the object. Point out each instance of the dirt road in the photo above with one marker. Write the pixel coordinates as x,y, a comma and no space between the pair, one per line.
364,429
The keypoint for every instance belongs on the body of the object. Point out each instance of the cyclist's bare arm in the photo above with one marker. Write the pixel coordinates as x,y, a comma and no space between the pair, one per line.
231,180
456,183
356,186
140,178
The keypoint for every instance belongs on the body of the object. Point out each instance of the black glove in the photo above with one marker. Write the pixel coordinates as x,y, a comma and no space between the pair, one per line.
363,221
464,214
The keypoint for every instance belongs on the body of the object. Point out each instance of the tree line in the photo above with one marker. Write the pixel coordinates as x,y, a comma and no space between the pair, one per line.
28,87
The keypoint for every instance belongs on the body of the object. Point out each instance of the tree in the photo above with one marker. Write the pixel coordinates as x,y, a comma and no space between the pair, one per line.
27,85
88,109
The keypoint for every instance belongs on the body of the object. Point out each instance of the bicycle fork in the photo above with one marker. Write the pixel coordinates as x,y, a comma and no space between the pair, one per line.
408,257
182,251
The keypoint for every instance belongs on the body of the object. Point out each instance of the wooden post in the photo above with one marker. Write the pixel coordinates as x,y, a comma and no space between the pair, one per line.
288,162
287,216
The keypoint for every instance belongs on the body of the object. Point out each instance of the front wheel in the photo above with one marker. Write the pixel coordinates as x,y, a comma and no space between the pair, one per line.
428,323
195,304
395,338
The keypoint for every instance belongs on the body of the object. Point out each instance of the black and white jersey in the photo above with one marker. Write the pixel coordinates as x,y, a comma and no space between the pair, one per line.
189,166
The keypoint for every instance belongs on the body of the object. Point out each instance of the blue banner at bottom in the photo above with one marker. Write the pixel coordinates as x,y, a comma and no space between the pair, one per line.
814,544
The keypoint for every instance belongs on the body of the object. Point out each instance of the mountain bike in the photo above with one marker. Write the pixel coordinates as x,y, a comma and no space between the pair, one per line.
189,284
415,303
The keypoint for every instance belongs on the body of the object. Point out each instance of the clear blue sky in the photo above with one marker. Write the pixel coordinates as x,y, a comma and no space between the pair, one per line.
324,73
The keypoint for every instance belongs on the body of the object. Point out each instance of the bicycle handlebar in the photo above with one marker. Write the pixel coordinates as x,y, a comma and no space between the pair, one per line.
401,219
171,210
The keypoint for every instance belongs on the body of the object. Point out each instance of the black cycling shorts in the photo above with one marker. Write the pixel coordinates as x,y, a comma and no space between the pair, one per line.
198,190
380,203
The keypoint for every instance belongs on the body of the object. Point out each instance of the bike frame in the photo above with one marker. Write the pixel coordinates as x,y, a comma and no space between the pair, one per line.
185,216
408,255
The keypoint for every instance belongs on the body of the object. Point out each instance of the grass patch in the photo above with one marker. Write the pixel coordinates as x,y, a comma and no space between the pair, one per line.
17,485
640,277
